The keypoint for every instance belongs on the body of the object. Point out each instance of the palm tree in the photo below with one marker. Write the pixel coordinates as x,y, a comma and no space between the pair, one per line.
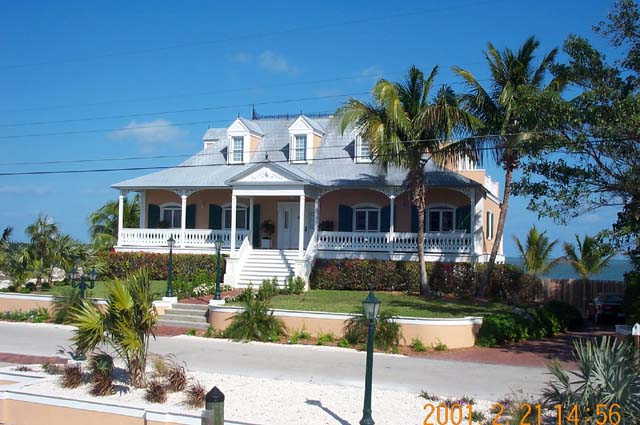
42,233
104,222
536,253
511,72
407,128
590,257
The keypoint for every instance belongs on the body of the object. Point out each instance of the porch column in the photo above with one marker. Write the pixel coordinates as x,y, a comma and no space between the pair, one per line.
316,214
477,212
234,204
143,209
392,227
301,230
183,219
251,220
121,214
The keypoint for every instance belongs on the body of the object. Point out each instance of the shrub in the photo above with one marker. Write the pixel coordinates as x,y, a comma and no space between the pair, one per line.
196,394
568,316
608,373
71,376
36,315
417,345
343,343
500,328
176,378
632,298
191,332
268,289
295,285
256,322
156,392
325,338
101,368
299,335
388,332
439,346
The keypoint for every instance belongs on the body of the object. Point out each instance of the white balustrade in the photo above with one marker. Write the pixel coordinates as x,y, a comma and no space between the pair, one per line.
198,238
456,242
353,241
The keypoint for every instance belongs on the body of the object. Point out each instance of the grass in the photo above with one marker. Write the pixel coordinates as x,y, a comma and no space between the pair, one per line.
400,304
158,287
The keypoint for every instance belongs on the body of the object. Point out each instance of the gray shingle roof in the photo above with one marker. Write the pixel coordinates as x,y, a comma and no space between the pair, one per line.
332,165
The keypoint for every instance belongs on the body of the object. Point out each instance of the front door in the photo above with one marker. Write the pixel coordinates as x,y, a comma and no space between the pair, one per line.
289,224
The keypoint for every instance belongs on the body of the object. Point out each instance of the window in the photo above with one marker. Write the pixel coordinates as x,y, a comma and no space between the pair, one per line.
366,219
440,219
241,218
489,225
300,147
238,149
363,151
171,215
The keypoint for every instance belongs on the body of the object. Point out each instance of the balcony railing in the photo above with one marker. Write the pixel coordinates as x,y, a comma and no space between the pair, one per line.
445,242
193,238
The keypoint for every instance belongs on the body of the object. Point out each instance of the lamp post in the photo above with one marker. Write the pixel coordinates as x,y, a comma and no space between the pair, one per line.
216,295
371,306
169,293
82,284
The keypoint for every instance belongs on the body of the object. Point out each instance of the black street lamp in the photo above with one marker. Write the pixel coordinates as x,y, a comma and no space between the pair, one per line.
216,295
371,306
82,284
169,293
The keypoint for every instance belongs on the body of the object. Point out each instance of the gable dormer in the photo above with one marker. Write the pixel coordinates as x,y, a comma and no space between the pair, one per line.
361,148
244,137
304,140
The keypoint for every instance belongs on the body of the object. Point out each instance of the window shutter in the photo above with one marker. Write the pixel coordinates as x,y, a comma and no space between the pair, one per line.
385,219
215,217
414,219
153,216
463,218
345,218
256,226
191,216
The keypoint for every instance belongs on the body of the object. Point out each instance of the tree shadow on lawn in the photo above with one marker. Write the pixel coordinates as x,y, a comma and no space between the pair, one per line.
318,403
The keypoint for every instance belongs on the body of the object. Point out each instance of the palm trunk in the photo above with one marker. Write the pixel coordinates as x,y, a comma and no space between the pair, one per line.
419,191
499,232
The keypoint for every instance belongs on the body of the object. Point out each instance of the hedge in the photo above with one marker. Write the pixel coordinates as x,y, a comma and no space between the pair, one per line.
507,282
632,298
185,266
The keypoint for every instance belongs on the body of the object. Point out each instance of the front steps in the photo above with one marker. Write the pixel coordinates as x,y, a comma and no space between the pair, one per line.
266,264
190,316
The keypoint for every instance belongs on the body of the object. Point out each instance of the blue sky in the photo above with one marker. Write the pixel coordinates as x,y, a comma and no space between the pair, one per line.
87,60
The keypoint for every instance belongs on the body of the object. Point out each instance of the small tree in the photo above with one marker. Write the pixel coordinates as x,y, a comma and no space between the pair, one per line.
536,253
103,223
126,325
589,256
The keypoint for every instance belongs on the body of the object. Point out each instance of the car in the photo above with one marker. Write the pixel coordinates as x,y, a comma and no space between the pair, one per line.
606,306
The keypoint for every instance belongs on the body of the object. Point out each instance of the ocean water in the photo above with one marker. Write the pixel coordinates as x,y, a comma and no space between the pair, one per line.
614,271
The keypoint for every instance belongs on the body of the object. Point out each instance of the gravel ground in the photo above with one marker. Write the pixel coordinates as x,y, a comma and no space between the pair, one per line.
269,401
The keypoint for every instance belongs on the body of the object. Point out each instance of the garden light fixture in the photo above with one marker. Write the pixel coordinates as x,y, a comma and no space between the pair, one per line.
371,307
82,283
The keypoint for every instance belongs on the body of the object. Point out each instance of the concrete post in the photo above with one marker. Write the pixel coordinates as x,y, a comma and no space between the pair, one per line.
234,206
183,220
301,230
214,408
120,214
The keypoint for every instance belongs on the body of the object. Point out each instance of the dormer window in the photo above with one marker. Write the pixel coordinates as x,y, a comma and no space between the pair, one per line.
300,148
363,150
304,140
237,149
244,136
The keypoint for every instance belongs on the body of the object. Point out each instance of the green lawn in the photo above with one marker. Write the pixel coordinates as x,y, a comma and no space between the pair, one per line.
400,304
158,287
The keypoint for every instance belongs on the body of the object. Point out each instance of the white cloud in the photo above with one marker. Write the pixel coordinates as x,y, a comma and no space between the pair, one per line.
241,57
150,134
27,189
276,63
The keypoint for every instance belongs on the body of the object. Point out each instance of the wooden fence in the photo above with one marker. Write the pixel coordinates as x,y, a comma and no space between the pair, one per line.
579,292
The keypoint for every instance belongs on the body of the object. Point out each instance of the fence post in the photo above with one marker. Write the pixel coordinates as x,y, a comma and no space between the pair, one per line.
214,408
635,331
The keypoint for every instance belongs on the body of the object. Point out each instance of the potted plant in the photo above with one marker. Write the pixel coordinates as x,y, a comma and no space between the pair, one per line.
268,229
326,226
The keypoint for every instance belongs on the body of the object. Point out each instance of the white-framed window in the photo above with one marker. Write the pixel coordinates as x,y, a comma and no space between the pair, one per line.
237,149
363,150
441,219
300,148
366,218
489,225
242,217
171,214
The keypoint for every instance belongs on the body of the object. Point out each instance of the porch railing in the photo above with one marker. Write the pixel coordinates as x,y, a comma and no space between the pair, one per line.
455,242
198,238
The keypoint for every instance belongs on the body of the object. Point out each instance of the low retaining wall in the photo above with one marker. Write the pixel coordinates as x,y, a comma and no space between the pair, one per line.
25,302
455,333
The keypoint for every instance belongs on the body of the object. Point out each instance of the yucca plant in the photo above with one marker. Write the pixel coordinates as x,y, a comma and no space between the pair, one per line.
71,376
388,332
101,368
256,322
126,325
608,373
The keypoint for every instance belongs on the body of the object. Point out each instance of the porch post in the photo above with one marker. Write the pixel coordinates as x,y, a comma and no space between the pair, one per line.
392,227
234,203
301,230
477,212
183,219
316,214
121,214
143,209
251,220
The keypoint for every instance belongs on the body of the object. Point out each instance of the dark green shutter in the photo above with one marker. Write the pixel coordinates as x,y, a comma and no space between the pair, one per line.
345,218
385,219
215,217
191,216
256,226
153,216
463,218
414,219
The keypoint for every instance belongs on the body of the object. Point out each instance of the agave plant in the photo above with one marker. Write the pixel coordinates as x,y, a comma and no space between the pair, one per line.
608,373
126,325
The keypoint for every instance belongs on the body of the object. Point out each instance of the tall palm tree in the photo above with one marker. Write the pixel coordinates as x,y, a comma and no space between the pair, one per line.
510,73
406,128
590,257
42,234
536,252
104,222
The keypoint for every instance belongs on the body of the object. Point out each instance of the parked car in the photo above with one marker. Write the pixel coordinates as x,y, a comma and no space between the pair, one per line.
606,306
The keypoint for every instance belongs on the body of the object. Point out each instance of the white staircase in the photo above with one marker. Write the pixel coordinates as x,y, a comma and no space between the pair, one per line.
189,316
267,264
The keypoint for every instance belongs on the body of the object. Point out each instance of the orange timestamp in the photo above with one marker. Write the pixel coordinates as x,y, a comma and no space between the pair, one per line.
529,414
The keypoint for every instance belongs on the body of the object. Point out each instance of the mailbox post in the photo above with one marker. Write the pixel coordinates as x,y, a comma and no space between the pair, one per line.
214,408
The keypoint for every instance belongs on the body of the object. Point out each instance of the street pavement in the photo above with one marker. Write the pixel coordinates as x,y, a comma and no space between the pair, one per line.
320,365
